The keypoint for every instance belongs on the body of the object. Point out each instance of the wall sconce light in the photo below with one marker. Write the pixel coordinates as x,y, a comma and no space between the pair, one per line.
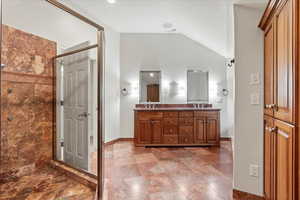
230,62
130,89
124,92
225,92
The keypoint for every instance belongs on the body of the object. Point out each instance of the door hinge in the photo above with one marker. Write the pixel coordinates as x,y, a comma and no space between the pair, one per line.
62,144
61,103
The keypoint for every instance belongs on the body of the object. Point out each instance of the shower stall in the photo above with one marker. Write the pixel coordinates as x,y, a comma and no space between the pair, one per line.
51,102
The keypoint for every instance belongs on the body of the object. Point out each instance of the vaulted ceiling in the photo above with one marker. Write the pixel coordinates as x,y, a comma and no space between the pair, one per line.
208,22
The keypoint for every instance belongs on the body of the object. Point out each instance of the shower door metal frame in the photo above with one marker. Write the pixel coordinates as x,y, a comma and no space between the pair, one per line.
0,75
100,89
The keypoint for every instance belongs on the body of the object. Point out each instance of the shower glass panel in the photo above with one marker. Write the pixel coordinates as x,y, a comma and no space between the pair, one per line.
76,108
42,93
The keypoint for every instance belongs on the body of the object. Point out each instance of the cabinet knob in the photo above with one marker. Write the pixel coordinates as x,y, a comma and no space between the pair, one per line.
271,129
271,106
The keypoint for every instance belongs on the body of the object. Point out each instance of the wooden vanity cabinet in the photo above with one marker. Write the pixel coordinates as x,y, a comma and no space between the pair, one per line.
207,129
186,127
150,128
177,128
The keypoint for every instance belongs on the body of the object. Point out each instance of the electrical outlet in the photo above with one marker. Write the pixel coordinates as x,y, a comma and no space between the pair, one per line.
253,170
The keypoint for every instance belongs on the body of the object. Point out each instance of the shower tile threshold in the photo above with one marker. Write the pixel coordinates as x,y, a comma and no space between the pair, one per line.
45,184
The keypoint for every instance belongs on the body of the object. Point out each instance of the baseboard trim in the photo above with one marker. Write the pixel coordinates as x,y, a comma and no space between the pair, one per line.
239,195
226,139
132,139
118,140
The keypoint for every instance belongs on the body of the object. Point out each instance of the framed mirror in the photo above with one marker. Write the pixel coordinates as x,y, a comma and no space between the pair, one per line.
197,86
150,86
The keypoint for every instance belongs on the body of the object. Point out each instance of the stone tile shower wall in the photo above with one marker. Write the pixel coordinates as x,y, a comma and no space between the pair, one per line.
26,102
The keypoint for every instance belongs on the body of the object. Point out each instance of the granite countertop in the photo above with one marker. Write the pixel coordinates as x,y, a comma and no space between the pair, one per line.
179,109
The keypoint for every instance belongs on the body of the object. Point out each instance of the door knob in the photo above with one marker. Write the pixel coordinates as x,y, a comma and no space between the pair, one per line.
84,114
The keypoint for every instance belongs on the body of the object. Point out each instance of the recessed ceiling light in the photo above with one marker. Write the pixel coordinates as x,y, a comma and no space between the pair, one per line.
111,1
151,74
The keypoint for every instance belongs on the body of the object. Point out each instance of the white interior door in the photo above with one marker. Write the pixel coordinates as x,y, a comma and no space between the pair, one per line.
76,114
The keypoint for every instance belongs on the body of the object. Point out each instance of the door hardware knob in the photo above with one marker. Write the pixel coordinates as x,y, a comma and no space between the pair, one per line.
273,129
84,114
275,107
270,106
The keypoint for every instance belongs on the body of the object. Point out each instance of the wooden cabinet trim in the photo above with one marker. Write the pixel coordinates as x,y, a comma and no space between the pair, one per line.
283,17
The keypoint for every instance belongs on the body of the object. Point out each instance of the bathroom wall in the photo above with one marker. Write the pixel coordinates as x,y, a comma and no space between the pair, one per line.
173,54
26,101
248,129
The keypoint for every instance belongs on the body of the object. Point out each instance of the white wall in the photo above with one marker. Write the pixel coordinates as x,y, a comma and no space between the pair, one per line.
230,99
173,54
248,133
112,85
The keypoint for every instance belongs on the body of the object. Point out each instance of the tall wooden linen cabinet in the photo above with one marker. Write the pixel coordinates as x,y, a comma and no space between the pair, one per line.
280,24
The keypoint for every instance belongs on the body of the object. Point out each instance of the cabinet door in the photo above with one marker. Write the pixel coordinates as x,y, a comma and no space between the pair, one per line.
144,132
269,158
212,130
284,73
269,71
186,134
199,130
284,150
156,131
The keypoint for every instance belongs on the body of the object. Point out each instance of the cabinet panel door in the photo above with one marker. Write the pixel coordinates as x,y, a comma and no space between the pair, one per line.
212,130
156,131
199,130
269,158
186,134
144,132
269,71
284,68
284,150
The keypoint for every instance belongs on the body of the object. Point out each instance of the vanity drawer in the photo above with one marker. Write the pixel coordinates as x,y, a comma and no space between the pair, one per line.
170,114
186,130
170,139
186,139
186,121
206,113
149,115
170,130
170,121
186,114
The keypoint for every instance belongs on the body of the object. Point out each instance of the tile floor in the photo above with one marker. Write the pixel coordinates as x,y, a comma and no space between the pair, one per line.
138,173
44,184
196,173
